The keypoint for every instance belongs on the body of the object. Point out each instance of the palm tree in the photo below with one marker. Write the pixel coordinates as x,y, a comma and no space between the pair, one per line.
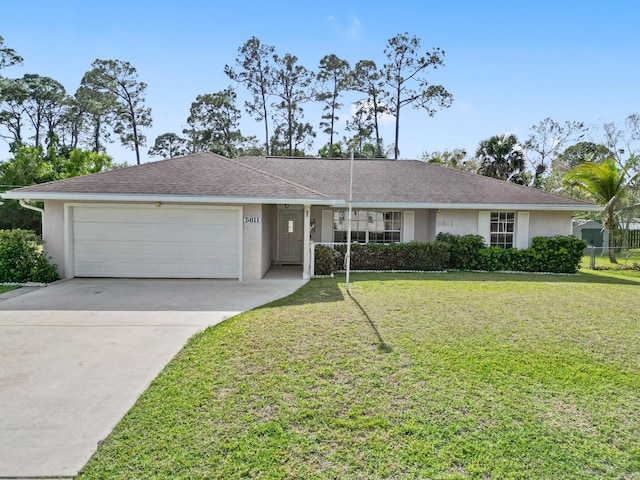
501,157
607,185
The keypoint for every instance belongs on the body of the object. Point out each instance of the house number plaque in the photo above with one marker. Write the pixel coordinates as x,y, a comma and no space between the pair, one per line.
251,219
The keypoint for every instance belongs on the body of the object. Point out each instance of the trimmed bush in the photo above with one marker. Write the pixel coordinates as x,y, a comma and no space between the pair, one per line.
326,260
432,256
559,254
495,259
464,250
22,260
400,256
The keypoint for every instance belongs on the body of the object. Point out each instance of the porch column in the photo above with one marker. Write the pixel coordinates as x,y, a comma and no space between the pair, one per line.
306,245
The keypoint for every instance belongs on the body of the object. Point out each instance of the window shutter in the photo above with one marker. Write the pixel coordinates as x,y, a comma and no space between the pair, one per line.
484,226
326,236
408,222
522,231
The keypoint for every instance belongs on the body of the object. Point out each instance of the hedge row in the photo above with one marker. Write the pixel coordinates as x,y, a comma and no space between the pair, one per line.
22,259
433,256
560,254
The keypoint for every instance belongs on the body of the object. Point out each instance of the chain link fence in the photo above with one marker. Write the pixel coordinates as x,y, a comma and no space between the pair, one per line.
600,258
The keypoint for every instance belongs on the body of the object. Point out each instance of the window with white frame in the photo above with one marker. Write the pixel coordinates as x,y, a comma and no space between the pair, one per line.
502,229
367,226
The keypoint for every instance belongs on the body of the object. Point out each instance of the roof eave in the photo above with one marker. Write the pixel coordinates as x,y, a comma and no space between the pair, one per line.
128,197
337,203
476,206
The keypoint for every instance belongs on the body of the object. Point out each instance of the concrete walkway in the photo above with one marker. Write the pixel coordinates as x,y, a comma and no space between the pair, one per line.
75,356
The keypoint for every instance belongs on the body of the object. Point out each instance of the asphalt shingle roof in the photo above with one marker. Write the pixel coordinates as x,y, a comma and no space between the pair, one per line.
202,174
403,181
375,181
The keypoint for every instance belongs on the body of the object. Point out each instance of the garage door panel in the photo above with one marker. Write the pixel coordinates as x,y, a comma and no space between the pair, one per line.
156,242
111,214
150,232
166,214
131,252
115,232
106,250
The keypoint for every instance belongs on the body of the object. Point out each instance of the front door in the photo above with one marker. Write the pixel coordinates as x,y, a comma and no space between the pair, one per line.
290,236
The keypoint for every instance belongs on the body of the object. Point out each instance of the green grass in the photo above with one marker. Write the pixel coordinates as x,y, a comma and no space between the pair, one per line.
7,288
445,376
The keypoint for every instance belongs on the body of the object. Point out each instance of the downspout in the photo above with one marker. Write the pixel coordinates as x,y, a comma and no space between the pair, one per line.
23,204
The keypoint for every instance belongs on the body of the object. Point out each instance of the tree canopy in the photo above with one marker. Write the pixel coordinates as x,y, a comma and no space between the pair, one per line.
406,81
169,145
502,157
8,56
581,152
214,119
335,77
255,73
607,185
118,80
31,165
367,79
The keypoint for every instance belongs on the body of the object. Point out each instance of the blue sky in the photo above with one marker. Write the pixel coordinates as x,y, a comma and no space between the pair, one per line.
509,65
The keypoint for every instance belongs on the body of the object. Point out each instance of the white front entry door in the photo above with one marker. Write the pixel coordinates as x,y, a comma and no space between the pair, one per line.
290,236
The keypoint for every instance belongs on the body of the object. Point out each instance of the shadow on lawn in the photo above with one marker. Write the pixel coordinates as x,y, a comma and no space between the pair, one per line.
382,345
322,290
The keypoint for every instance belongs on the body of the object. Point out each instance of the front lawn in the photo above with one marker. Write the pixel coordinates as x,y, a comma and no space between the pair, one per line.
452,376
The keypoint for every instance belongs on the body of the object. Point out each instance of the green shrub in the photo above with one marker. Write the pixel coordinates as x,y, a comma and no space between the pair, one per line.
326,260
432,256
492,259
495,259
22,260
464,250
371,256
559,254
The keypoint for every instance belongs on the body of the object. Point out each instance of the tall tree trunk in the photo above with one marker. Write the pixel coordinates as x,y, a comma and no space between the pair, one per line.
266,122
290,130
331,134
378,152
37,137
612,244
96,136
395,147
136,142
609,222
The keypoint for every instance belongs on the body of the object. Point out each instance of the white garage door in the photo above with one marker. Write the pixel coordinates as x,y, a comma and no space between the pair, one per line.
156,242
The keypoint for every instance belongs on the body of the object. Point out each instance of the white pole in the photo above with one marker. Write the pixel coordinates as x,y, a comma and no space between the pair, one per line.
348,255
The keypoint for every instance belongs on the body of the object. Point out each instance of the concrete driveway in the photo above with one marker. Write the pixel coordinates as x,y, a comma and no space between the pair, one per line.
75,356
